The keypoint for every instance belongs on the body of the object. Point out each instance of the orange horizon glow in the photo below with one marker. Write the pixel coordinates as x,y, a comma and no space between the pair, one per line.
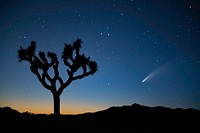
49,110
47,107
36,106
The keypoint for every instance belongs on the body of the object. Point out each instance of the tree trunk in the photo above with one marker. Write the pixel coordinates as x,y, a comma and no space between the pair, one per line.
56,99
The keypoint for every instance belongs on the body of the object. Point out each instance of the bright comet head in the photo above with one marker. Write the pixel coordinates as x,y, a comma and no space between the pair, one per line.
146,78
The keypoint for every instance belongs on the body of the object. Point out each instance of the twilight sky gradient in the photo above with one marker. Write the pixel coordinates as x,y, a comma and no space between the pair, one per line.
129,39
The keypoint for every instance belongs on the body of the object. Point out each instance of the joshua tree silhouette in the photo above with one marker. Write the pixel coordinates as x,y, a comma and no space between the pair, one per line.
40,66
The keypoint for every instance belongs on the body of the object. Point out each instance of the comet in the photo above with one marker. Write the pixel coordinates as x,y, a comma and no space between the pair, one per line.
149,76
146,78
162,69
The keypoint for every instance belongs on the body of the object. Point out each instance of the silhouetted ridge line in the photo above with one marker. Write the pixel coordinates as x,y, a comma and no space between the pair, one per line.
8,110
134,107
133,118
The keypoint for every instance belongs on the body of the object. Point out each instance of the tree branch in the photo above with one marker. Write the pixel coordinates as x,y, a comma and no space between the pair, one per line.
64,85
56,74
60,80
82,75
42,80
47,76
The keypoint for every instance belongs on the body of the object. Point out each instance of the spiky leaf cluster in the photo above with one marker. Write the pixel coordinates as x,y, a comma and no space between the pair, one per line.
74,60
27,54
36,62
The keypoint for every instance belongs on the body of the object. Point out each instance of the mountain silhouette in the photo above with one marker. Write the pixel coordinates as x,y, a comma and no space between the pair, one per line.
134,118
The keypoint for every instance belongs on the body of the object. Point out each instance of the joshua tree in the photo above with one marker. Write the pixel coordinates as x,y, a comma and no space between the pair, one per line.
73,60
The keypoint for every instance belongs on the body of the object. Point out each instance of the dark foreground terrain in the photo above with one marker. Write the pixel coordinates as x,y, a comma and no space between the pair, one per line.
134,119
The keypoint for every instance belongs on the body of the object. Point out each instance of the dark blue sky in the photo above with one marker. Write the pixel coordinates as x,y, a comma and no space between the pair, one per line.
153,41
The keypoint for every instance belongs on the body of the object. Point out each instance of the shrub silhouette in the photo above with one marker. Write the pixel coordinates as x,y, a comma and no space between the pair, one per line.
40,66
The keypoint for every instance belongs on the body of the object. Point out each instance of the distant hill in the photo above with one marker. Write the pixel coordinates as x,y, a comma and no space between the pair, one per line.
134,118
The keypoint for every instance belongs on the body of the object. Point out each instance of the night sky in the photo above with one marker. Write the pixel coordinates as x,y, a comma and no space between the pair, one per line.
147,51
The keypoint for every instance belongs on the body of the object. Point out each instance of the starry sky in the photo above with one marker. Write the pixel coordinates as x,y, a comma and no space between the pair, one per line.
147,52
